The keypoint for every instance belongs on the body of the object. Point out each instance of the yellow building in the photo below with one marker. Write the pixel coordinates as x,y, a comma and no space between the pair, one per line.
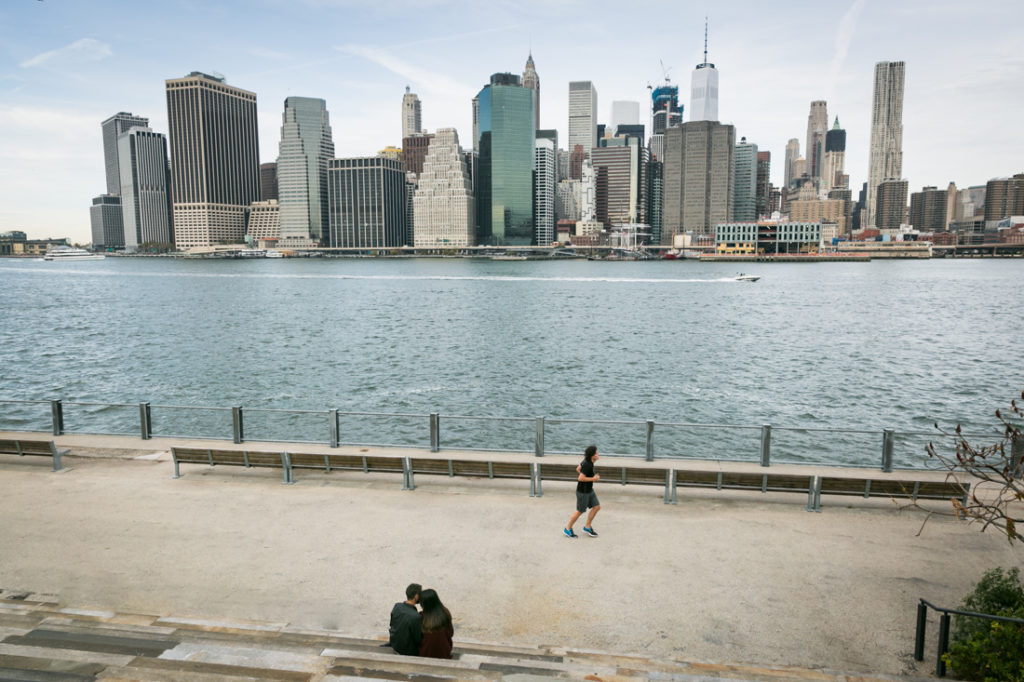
821,211
391,152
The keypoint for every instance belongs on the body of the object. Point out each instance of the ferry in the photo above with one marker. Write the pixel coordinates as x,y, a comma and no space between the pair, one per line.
71,253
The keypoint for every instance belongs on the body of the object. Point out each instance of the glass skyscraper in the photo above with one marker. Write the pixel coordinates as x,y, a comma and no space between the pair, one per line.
505,125
306,147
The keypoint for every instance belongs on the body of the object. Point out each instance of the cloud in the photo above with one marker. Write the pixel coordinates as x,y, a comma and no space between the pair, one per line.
429,80
844,36
85,49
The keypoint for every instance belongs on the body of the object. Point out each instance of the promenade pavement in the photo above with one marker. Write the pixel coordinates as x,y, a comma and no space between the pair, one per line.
724,577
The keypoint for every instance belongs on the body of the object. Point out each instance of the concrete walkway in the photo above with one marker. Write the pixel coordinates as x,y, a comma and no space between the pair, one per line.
723,577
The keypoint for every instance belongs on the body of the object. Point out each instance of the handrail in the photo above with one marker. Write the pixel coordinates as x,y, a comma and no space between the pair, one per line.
944,620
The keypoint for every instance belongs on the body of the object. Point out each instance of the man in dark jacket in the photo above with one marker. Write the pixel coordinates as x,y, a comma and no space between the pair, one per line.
404,631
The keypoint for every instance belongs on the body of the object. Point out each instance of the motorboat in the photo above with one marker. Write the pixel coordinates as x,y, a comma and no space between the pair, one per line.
746,278
71,253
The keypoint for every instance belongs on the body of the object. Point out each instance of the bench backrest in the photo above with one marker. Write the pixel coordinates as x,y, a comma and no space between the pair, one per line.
44,448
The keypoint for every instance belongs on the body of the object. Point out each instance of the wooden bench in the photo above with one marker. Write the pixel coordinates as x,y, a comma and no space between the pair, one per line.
766,482
286,461
889,487
40,448
471,468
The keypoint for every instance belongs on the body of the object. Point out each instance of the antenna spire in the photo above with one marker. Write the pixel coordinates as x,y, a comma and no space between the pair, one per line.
705,39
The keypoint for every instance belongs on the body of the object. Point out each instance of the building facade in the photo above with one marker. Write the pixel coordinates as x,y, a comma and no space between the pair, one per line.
412,119
744,194
1004,197
306,147
265,222
665,110
106,221
891,204
833,172
928,210
764,184
704,89
268,181
531,81
145,188
885,159
698,183
215,160
792,154
112,128
546,165
817,125
504,179
444,209
621,183
582,118
414,151
366,202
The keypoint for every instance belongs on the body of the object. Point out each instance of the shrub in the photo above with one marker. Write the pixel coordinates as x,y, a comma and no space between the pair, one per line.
986,650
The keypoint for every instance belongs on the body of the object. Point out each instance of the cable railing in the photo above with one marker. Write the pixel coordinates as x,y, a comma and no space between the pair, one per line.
944,623
646,439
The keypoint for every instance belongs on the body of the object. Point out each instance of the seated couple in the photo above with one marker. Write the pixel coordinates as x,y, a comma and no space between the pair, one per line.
415,633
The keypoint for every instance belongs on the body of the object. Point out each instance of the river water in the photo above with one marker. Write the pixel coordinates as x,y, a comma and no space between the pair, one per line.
858,346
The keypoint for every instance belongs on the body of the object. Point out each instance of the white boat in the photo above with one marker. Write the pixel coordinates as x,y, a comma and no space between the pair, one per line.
274,254
746,278
71,253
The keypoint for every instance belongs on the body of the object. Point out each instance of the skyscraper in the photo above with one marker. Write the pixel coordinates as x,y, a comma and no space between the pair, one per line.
764,183
106,221
792,154
704,89
215,163
698,183
504,179
532,81
414,151
621,183
145,191
306,147
582,118
928,209
832,174
744,197
665,110
1003,197
268,181
366,202
886,153
444,209
817,124
411,115
112,129
546,164
891,204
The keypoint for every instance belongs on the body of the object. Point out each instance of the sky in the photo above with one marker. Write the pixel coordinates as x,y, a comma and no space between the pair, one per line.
66,65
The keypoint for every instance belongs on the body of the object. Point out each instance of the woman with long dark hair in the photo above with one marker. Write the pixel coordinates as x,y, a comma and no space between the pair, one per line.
436,621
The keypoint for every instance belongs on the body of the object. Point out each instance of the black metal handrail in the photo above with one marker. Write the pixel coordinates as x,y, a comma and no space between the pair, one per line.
922,624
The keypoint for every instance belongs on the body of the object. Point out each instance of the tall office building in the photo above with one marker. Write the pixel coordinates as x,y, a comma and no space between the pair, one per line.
215,162
886,154
817,125
655,198
112,128
704,90
145,190
792,154
411,115
832,174
268,181
582,118
504,179
624,113
414,151
665,110
620,174
264,222
698,184
532,81
891,204
306,147
366,202
444,209
764,184
928,209
546,165
744,195
1004,197
106,221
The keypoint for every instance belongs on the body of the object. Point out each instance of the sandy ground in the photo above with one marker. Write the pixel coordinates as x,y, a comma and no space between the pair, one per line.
739,577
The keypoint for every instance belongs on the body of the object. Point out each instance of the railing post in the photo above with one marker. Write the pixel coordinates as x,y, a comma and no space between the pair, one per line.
766,444
145,421
1017,455
922,625
335,429
57,411
940,665
538,443
650,440
435,431
888,435
236,420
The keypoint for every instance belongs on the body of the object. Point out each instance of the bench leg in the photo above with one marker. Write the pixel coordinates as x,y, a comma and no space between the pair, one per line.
177,473
408,482
538,491
670,487
286,466
533,479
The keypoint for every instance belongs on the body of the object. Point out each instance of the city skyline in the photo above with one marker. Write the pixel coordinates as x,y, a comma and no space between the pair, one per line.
68,67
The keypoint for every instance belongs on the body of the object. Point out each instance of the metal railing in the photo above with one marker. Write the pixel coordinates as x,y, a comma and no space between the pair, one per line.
944,622
539,435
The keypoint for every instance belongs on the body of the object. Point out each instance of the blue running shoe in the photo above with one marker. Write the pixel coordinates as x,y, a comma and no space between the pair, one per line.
569,533
590,531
